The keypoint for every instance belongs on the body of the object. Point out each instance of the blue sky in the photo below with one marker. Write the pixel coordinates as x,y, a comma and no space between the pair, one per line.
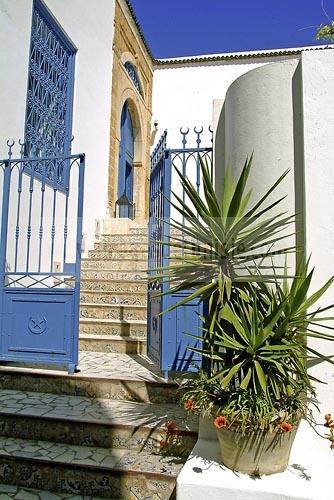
191,27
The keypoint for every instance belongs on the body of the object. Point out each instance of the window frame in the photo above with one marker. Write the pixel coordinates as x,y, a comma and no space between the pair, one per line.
53,24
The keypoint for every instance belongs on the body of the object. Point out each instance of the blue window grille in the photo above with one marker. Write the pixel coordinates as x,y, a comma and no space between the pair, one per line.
48,125
132,72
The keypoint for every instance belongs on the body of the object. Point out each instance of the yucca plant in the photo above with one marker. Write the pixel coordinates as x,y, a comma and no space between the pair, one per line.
259,318
222,242
259,338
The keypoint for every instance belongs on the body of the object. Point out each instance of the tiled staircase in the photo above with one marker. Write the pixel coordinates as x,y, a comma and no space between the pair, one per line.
114,294
113,430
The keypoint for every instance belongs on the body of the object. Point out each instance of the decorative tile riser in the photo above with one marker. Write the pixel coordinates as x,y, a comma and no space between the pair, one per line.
111,265
113,298
92,434
117,255
118,312
126,330
128,346
114,286
129,390
123,238
140,230
118,485
90,274
120,247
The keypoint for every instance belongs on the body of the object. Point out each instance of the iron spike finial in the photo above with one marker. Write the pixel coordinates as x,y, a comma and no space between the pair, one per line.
198,134
10,144
184,134
211,131
22,144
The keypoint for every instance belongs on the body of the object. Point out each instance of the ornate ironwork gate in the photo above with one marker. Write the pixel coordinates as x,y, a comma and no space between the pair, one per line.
168,341
40,257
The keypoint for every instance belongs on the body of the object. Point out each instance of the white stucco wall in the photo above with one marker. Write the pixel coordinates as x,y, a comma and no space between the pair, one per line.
318,125
91,30
183,95
284,113
257,116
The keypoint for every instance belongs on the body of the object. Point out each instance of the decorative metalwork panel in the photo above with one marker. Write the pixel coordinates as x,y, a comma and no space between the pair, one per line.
132,72
50,90
168,342
40,260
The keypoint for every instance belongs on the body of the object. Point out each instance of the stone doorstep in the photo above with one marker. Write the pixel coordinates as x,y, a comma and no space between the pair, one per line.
91,471
115,286
21,493
106,265
117,298
109,379
121,246
130,239
111,255
93,422
112,343
101,321
113,311
136,329
91,273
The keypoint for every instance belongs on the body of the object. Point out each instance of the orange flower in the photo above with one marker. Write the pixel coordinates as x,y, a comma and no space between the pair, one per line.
189,404
329,421
220,422
171,426
286,427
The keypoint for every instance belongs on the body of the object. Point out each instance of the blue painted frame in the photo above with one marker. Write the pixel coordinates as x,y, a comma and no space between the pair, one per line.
168,342
133,74
44,13
126,157
53,298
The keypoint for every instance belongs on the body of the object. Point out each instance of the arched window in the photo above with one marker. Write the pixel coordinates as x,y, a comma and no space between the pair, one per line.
124,204
132,72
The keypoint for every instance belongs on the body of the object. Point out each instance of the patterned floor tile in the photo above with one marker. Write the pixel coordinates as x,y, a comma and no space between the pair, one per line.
90,410
18,493
110,365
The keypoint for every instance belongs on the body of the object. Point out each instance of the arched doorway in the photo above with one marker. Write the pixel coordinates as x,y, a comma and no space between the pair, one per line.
124,204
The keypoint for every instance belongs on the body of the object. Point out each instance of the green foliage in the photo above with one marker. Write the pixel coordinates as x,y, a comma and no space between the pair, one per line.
259,319
223,240
242,408
259,338
326,32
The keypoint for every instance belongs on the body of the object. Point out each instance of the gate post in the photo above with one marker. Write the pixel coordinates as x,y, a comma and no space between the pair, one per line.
3,235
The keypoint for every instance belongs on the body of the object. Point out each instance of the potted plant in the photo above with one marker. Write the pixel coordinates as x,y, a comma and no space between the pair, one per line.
254,340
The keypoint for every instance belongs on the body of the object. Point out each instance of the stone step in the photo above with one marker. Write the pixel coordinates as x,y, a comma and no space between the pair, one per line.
90,471
139,230
113,275
103,375
113,311
115,265
118,246
127,328
117,255
102,423
111,343
102,297
122,286
123,238
8,491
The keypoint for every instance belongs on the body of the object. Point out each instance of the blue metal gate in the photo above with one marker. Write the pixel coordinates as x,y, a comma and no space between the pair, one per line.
168,341
40,257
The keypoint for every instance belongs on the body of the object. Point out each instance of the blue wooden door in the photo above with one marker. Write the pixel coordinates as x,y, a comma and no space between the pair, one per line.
126,155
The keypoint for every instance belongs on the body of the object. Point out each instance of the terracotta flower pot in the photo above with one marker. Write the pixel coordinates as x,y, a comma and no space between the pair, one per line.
257,452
